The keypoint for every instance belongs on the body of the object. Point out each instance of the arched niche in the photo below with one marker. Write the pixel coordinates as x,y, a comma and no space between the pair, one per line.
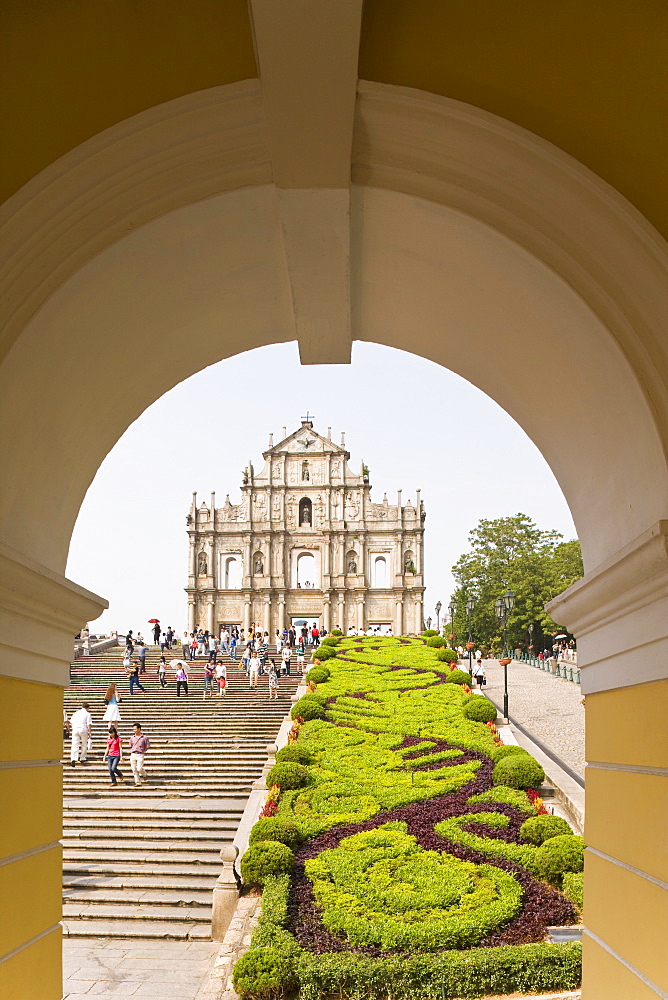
351,562
258,563
306,571
231,572
379,571
305,513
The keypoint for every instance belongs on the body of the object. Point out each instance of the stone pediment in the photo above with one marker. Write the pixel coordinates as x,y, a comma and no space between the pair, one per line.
305,441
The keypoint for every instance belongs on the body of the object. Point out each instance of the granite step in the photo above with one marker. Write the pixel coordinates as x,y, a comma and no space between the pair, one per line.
128,928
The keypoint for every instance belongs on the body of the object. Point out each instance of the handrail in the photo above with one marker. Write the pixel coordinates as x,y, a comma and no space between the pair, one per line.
567,670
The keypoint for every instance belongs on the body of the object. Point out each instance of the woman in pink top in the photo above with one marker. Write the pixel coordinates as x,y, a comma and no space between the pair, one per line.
114,755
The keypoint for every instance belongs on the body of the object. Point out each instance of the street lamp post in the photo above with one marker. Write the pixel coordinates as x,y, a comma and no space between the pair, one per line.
470,605
503,606
452,608
437,609
531,628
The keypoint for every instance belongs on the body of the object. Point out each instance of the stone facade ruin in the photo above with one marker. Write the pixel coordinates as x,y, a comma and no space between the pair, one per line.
306,543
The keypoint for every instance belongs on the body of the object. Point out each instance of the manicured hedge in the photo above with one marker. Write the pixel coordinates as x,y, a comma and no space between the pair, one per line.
308,708
287,775
559,855
573,886
318,674
263,974
265,860
447,655
429,632
331,640
506,750
436,641
295,753
480,709
324,653
272,828
541,828
459,677
519,771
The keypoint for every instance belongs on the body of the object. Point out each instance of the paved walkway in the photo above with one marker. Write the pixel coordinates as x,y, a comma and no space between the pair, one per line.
108,969
549,707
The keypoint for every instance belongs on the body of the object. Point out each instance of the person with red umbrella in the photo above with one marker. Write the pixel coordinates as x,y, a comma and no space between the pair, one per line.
155,622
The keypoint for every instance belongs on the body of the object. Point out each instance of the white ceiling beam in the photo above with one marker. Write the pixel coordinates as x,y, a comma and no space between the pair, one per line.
307,53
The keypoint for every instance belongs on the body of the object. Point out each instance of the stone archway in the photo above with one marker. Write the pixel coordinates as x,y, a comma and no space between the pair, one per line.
451,258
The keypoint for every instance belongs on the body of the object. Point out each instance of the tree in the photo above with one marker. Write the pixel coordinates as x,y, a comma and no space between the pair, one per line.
536,565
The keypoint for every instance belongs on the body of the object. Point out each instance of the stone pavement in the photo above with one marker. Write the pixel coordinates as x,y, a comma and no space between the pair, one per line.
107,968
549,707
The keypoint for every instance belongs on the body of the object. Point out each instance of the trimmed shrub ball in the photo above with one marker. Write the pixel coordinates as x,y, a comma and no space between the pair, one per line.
538,829
284,831
330,640
518,771
318,675
458,677
429,631
287,775
263,974
337,632
559,855
324,653
436,641
264,860
309,708
294,753
507,750
446,655
573,887
479,709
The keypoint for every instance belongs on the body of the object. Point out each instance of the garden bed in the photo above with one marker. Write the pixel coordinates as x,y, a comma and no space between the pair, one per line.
403,852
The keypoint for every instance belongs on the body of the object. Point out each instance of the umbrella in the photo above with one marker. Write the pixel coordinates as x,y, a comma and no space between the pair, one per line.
177,663
154,621
562,636
302,621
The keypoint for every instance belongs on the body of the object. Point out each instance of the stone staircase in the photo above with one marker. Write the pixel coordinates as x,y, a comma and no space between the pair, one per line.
142,862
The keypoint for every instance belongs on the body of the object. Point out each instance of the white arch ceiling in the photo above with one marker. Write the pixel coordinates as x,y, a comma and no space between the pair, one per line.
130,272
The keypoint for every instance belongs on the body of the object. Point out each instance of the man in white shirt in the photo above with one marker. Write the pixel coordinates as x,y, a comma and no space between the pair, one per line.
213,647
81,723
254,669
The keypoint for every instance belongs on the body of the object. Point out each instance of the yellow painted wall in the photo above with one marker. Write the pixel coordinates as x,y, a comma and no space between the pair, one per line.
30,886
623,927
628,725
605,978
627,818
588,77
34,973
70,69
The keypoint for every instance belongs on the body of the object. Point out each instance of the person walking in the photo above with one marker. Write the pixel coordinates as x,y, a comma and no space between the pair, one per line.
245,659
285,660
233,646
142,650
301,661
162,669
480,674
253,669
273,682
139,744
185,646
193,645
181,680
170,637
213,647
221,678
156,633
129,643
114,755
112,698
82,731
164,644
209,674
133,676
85,641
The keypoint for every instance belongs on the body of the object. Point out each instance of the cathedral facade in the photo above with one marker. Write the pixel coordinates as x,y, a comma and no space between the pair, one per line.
306,544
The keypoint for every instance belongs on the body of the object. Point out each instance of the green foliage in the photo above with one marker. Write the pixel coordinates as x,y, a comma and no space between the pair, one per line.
380,887
518,771
480,709
512,552
541,828
573,888
336,632
458,677
452,829
308,708
264,860
331,640
263,974
436,641
447,655
272,828
296,753
429,632
507,750
469,974
560,855
324,653
510,796
318,675
287,775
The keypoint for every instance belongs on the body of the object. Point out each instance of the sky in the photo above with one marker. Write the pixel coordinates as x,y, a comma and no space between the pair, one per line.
415,424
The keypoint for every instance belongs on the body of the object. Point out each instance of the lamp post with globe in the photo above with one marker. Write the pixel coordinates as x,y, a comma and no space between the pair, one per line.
470,605
452,608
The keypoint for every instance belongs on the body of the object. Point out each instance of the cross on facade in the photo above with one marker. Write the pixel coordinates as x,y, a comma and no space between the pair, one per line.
307,419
